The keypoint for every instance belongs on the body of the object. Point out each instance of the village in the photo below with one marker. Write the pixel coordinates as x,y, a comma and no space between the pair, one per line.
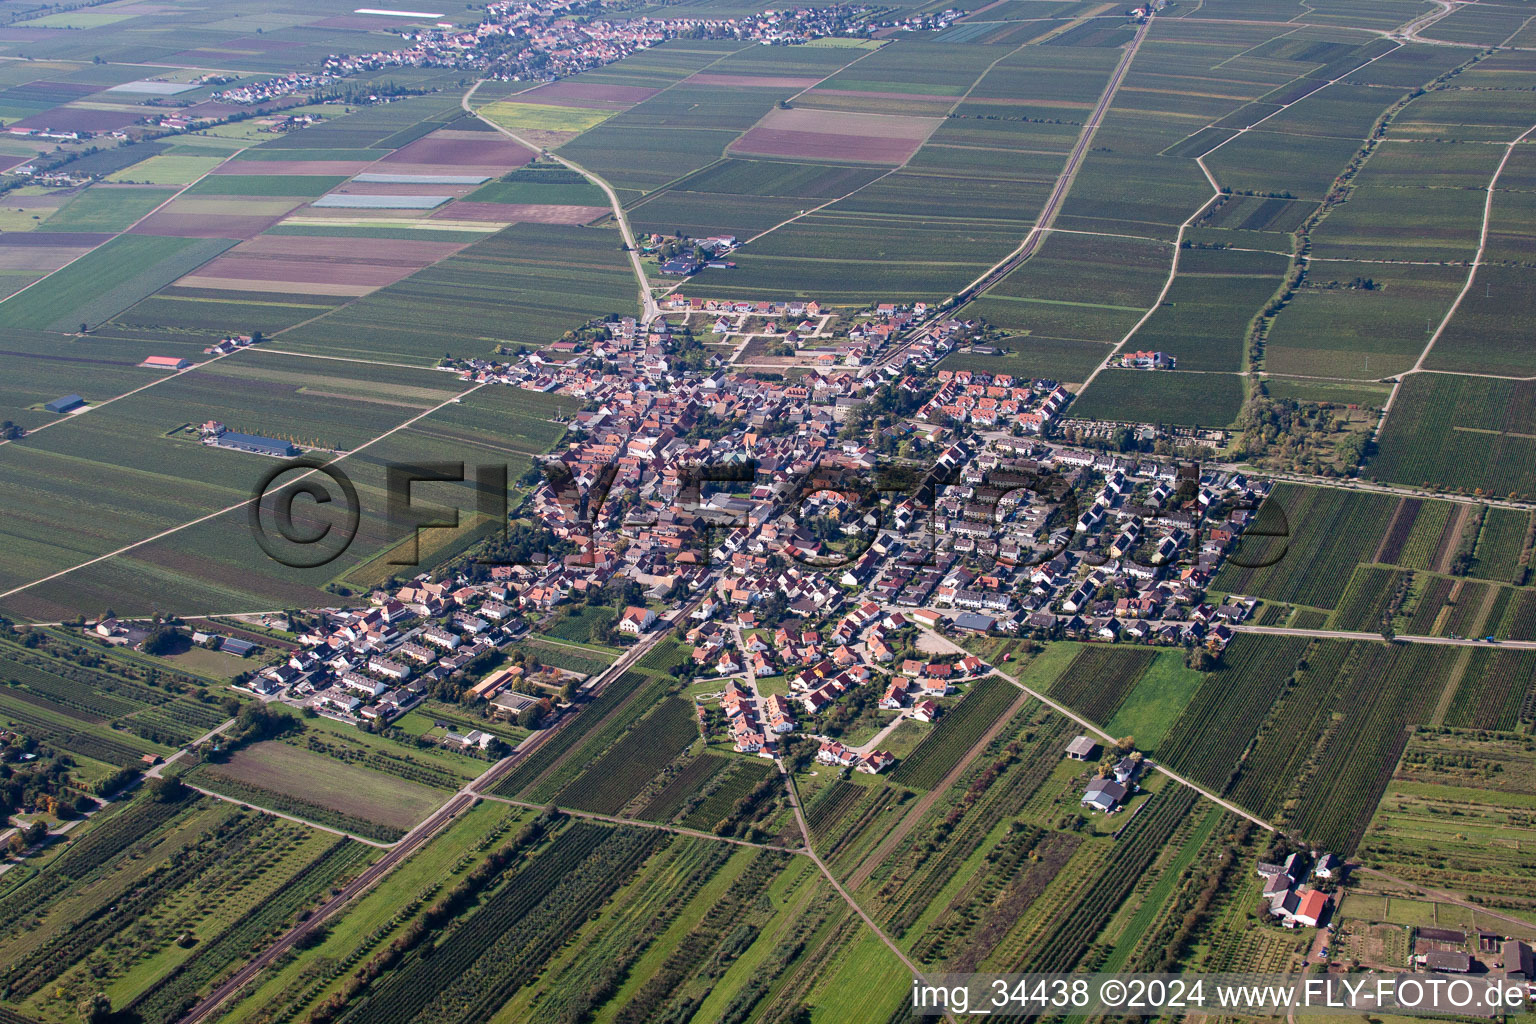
838,528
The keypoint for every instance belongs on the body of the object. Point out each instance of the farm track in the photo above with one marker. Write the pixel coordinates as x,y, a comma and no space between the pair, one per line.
1096,730
399,851
365,881
1216,193
1048,212
650,310
1477,261
909,821
240,504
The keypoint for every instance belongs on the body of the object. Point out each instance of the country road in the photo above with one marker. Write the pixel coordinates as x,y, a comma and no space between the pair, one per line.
414,839
1346,634
1048,212
649,309
1062,709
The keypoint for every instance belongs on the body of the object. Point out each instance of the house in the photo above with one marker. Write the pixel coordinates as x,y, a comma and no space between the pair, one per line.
393,669
1327,866
925,711
927,617
636,621
1104,795
877,761
166,363
362,684
935,687
69,403
834,753
1081,749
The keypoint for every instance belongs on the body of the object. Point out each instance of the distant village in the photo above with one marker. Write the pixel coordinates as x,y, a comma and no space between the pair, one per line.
548,39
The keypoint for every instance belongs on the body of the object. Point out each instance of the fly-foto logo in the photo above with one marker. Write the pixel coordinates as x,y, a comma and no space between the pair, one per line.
826,516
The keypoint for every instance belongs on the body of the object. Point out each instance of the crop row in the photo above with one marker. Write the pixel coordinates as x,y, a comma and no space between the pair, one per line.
727,918
1384,695
1430,600
1313,538
1492,690
722,801
688,782
1401,529
1099,678
75,741
1424,542
833,803
401,766
1220,720
172,995
1075,924
996,788
1366,599
623,771
102,841
1286,737
955,734
92,927
497,949
588,718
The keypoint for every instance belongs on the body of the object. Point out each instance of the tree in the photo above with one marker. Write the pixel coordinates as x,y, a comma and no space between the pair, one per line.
161,640
96,1009
1125,744
167,789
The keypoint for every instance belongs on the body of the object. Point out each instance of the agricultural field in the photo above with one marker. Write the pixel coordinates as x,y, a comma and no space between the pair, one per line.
1457,815
293,780
152,902
1459,433
957,732
1162,397
1306,543
1277,193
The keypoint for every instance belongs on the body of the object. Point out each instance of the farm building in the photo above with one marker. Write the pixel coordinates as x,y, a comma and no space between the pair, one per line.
1447,960
68,403
680,266
1519,963
1081,749
255,444
234,645
166,363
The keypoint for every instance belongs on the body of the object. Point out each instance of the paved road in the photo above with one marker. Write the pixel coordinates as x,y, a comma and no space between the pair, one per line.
1345,634
650,310
1048,212
1062,709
